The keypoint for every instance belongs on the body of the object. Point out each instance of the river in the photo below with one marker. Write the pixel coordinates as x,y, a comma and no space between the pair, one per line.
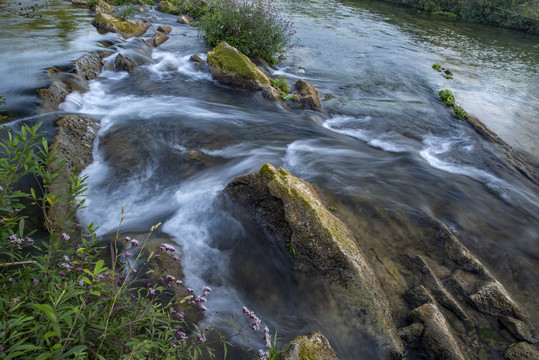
387,142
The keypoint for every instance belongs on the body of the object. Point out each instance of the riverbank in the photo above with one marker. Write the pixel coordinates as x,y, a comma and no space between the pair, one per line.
521,15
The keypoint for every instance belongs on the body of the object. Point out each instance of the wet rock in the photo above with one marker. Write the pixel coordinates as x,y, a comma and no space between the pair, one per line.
79,2
459,254
312,347
200,64
437,339
493,299
309,95
73,142
165,29
122,63
229,66
185,19
418,296
126,28
522,351
103,7
142,10
411,333
431,282
89,66
271,93
56,93
158,39
520,329
293,210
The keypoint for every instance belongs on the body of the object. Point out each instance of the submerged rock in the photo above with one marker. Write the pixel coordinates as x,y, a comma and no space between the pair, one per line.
293,210
493,299
522,351
312,347
229,66
126,28
437,339
164,29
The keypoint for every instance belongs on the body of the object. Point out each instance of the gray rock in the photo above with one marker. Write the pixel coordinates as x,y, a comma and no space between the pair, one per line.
142,10
493,299
79,2
309,95
520,329
437,339
315,346
522,351
89,66
158,39
431,282
165,29
122,63
459,254
411,333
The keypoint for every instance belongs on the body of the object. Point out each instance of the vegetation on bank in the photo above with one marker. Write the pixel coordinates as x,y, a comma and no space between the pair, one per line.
514,14
58,299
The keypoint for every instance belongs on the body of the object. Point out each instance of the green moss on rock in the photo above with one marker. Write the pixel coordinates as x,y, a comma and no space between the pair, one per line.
228,65
126,28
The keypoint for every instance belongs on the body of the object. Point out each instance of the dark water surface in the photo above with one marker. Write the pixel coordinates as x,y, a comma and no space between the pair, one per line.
386,143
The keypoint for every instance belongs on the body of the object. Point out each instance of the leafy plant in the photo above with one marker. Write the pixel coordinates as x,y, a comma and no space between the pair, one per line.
127,12
460,112
447,97
437,67
283,85
254,27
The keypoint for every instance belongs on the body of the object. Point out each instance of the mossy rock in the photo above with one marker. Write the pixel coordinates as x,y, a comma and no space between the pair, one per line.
228,65
312,347
295,211
126,28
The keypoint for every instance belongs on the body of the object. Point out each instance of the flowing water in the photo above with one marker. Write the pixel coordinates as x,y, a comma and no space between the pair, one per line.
172,138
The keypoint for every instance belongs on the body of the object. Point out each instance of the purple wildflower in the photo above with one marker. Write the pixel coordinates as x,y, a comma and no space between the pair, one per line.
35,281
203,308
201,338
167,248
65,237
176,258
134,243
127,239
178,282
263,355
170,278
80,282
190,291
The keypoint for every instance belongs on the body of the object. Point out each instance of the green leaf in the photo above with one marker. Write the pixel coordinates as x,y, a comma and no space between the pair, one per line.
47,309
76,349
86,280
50,333
44,356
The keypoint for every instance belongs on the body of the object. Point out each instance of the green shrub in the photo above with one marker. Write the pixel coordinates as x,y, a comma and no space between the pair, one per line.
127,12
460,112
254,27
447,97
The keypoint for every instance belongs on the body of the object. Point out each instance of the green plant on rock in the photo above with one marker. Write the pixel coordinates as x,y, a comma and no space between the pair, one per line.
282,85
254,27
460,112
447,97
437,67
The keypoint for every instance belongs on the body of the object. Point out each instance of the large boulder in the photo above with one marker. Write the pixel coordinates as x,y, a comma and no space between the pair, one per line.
229,66
126,28
293,211
158,39
123,63
312,347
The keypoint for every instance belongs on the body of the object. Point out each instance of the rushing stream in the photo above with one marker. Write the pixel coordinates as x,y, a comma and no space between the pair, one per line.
172,138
